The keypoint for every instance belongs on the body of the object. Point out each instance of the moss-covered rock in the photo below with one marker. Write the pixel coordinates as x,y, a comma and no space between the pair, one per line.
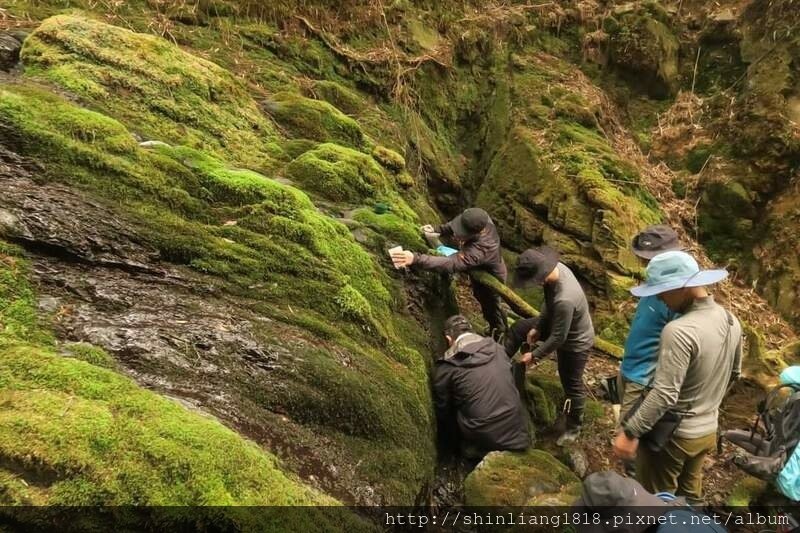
515,479
393,228
264,240
342,98
389,158
725,218
314,119
646,50
152,86
84,435
345,175
580,201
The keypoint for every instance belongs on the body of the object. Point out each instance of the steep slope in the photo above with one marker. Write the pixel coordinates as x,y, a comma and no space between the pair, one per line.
211,187
75,432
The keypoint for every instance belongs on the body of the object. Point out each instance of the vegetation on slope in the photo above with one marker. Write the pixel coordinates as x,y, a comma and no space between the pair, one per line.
72,433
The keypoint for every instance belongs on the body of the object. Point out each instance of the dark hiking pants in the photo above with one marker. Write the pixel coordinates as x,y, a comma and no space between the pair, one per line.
492,311
570,370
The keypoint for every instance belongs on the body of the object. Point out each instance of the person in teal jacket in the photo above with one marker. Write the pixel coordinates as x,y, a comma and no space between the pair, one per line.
641,346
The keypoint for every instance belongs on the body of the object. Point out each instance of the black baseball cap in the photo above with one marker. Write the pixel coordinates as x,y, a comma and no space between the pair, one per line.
655,240
470,222
534,265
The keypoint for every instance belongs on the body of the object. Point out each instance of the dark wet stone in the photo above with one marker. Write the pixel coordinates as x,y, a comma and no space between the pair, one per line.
9,51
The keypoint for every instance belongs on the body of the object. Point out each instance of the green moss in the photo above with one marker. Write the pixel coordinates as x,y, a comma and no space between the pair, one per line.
697,157
390,159
91,354
746,492
18,319
84,435
726,218
339,96
345,175
645,50
109,442
314,119
512,479
266,241
393,228
152,86
546,397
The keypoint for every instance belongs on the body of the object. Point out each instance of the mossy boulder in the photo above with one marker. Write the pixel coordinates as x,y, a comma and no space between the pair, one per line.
266,241
345,175
152,86
517,479
726,216
394,229
342,98
545,398
73,433
314,119
645,50
580,203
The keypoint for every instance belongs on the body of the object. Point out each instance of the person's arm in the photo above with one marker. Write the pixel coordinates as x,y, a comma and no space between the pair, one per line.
559,323
737,354
674,356
444,230
470,257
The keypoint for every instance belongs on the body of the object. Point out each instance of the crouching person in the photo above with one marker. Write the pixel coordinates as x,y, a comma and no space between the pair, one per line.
473,381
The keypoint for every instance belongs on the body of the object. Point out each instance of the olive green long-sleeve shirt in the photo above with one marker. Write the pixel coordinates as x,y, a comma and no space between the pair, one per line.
693,371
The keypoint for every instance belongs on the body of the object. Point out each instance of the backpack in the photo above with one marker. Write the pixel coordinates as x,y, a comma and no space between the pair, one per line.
773,454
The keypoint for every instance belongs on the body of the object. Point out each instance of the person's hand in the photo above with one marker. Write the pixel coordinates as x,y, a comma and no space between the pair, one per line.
526,358
403,258
624,446
428,228
533,336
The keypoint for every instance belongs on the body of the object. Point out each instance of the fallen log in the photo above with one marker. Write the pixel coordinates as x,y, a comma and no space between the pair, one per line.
526,310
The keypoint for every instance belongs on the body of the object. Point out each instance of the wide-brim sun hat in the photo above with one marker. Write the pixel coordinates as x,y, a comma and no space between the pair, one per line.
675,270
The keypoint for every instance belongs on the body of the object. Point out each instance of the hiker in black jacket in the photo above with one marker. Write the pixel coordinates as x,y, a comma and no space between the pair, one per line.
473,381
475,235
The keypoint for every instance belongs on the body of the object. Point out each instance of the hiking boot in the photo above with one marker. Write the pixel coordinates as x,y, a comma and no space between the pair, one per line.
568,437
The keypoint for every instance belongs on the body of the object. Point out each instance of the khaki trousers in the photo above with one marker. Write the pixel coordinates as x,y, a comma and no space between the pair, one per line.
678,468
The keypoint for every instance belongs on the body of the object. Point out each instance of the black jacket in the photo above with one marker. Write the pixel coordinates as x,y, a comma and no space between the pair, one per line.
474,380
481,251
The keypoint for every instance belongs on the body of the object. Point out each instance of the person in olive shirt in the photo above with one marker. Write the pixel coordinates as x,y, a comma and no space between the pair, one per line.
564,326
699,355
474,233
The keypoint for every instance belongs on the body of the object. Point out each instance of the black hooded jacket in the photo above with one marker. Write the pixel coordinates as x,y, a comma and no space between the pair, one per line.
482,251
474,380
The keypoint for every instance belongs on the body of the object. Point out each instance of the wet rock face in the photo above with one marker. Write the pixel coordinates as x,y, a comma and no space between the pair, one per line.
170,328
10,46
